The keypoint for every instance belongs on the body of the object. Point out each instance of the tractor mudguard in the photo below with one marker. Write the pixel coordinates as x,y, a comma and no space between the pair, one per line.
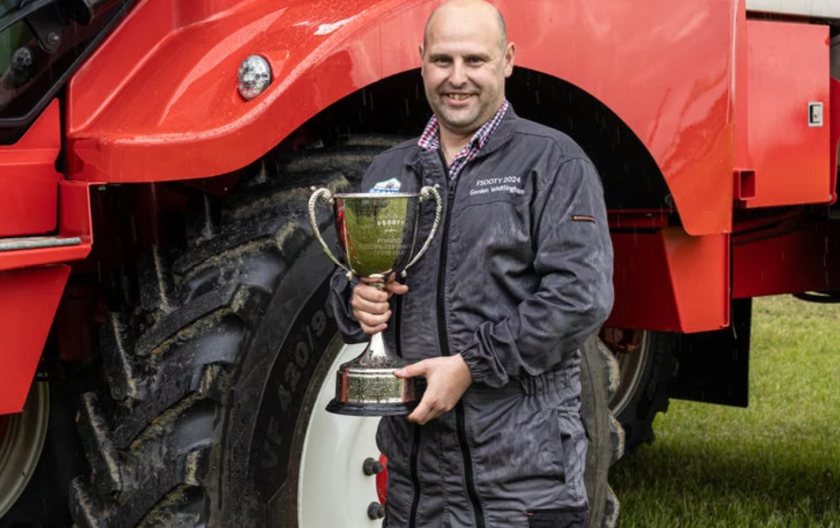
158,101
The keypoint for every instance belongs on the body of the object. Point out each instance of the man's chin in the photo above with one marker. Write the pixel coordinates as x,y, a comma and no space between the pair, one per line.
460,124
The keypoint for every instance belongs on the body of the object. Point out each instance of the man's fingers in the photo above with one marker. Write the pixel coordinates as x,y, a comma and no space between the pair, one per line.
372,320
369,293
392,286
429,408
364,305
421,414
396,288
370,330
447,378
415,369
370,308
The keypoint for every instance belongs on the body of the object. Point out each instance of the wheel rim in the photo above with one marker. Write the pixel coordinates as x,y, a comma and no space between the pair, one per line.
21,444
333,490
631,366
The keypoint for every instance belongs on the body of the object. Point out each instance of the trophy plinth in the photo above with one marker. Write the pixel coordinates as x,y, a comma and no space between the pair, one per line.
366,385
377,233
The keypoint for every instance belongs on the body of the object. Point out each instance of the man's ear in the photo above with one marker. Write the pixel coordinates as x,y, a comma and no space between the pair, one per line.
420,49
510,54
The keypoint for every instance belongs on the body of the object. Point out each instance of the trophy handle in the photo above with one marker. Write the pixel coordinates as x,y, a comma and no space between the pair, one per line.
326,195
425,193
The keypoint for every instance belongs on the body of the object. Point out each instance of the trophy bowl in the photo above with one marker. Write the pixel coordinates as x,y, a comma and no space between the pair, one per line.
377,233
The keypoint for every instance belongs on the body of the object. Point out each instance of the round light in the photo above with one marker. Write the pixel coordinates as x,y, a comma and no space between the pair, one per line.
254,76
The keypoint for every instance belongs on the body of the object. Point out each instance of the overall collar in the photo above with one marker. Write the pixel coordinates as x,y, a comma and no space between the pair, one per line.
500,135
430,138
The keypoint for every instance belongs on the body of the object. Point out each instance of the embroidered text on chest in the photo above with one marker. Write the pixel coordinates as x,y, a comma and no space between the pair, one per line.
505,184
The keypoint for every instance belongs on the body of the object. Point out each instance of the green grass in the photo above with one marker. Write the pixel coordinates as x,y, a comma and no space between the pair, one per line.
774,464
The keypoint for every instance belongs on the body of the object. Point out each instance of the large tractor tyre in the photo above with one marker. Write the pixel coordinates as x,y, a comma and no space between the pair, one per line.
646,373
219,379
598,381
39,455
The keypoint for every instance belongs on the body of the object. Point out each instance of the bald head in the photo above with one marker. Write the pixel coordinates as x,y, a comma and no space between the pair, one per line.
465,61
468,9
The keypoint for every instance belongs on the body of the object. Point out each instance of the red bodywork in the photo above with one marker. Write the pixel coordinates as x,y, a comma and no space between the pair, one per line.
32,281
158,102
28,167
693,268
29,300
789,158
783,260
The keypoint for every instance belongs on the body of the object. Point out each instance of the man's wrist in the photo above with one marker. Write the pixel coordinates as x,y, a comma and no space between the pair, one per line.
466,367
474,364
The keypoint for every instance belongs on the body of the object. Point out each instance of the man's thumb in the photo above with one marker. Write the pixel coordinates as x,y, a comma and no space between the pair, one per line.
410,371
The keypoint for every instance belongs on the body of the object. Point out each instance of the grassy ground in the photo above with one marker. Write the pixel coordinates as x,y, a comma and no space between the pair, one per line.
774,464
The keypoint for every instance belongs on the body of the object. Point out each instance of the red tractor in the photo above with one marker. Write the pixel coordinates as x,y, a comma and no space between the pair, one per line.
166,352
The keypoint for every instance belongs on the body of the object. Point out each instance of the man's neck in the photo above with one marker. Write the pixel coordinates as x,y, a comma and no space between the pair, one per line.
452,143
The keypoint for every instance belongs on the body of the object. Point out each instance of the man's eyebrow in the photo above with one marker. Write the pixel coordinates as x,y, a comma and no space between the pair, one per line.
481,56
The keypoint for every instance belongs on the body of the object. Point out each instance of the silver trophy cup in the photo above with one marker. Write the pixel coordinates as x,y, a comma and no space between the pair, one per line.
377,232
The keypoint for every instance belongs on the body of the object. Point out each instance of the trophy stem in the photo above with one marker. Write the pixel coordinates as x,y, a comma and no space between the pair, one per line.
367,386
376,353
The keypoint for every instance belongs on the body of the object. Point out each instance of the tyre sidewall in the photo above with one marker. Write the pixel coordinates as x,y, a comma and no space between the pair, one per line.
265,426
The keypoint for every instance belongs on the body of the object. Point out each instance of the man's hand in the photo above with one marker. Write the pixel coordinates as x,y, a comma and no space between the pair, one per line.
370,304
447,378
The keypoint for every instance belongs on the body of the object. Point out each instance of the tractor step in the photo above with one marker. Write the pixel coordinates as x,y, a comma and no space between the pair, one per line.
39,242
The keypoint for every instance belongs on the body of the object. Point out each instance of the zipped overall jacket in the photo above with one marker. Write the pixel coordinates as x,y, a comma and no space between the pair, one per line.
518,276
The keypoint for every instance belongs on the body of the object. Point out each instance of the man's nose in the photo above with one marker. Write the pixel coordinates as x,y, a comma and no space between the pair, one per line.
458,76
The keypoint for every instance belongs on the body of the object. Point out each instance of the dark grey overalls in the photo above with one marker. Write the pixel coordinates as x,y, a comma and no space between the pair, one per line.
519,276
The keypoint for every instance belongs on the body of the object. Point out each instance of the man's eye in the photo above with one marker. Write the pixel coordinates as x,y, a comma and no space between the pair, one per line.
440,61
475,60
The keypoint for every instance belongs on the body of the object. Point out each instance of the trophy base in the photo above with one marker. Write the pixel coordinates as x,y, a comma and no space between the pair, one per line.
370,409
372,392
367,386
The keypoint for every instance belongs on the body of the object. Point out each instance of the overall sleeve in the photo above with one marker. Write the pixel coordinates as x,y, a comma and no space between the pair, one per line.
573,259
341,291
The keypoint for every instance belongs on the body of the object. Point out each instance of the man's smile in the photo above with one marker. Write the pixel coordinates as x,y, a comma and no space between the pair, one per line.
458,99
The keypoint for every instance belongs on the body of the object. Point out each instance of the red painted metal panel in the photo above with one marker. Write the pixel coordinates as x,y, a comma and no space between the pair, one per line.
670,281
740,109
835,133
76,211
158,100
788,69
28,179
74,203
28,303
796,259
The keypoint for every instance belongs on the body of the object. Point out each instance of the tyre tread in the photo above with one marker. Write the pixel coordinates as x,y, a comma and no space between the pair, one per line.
150,434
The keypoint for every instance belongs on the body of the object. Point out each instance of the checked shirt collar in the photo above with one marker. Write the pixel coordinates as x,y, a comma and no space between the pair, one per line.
430,140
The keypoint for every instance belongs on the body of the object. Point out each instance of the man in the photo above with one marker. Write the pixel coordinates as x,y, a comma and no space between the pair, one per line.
518,278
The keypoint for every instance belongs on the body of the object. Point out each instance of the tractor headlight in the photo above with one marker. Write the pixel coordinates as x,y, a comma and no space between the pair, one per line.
254,76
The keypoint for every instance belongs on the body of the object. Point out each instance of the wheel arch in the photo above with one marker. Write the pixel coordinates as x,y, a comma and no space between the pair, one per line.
181,86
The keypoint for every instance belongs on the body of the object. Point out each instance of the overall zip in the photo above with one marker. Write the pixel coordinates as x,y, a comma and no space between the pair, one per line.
415,477
444,346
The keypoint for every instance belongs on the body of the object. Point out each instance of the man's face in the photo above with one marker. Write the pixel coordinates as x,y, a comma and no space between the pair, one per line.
464,69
